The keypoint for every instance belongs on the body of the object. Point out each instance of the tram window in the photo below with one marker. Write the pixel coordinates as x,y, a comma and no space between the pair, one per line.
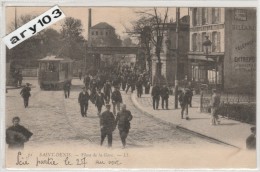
43,67
52,67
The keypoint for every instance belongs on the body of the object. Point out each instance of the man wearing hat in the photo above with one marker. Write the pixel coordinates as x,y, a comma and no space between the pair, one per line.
107,125
107,91
25,93
251,140
100,101
123,119
184,102
66,89
215,102
116,100
83,101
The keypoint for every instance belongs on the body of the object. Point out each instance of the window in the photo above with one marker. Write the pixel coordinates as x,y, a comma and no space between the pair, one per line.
194,42
194,16
101,32
215,15
93,33
96,32
204,16
199,42
203,38
106,33
216,42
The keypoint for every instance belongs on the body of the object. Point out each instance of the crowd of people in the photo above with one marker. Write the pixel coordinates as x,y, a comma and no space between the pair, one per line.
103,90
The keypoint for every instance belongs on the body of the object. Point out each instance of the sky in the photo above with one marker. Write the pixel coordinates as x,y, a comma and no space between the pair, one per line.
118,17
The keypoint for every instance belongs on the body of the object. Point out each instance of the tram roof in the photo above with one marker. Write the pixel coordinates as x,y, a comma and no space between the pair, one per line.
55,58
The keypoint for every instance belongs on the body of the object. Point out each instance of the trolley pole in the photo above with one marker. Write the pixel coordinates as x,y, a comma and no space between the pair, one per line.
177,57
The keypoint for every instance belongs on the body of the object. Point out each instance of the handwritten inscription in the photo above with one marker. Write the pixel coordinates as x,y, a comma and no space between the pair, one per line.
23,160
81,160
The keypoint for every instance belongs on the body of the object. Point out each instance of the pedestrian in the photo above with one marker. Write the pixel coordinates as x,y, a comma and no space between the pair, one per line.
133,83
20,79
190,93
100,101
123,119
251,140
165,96
124,81
83,101
184,102
80,75
107,125
66,88
215,102
116,100
139,87
147,87
128,84
107,91
86,81
25,93
156,96
17,135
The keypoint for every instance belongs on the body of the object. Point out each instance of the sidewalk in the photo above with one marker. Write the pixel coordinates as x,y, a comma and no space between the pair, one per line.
229,131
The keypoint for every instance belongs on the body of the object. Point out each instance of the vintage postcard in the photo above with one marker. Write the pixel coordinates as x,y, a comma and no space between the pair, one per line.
129,87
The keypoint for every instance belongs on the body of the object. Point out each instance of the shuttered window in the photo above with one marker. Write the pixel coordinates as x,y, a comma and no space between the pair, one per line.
216,42
194,16
199,42
204,16
194,42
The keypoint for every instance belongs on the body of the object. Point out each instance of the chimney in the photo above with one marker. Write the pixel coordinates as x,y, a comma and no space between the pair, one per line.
89,26
89,19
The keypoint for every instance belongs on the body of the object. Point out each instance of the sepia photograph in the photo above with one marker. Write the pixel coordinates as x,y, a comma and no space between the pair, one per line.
130,87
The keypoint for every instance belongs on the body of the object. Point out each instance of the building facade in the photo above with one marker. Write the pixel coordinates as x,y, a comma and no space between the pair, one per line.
103,35
168,53
222,51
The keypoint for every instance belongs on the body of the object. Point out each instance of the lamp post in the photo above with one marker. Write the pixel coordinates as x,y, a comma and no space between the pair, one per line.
207,43
177,58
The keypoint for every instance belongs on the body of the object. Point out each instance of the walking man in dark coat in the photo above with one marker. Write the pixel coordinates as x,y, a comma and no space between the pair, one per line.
100,101
66,88
123,119
107,91
165,96
156,96
116,100
128,84
184,102
17,135
87,81
139,87
25,93
83,101
107,125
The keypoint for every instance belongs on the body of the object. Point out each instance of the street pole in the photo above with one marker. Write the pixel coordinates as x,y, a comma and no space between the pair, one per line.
177,57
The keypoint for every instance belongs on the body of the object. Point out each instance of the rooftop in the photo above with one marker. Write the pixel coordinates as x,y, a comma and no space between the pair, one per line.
54,58
102,25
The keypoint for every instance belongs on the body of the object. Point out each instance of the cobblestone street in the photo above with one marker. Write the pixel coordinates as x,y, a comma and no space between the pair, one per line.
54,119
56,124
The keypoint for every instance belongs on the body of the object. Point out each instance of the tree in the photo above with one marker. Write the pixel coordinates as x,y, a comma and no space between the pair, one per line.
150,27
38,46
74,44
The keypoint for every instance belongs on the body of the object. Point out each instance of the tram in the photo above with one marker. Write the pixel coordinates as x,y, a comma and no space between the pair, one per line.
54,72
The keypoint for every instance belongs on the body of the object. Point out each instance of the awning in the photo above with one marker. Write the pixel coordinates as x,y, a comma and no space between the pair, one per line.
199,57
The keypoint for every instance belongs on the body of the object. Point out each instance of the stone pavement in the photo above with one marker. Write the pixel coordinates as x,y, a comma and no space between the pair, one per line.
229,131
